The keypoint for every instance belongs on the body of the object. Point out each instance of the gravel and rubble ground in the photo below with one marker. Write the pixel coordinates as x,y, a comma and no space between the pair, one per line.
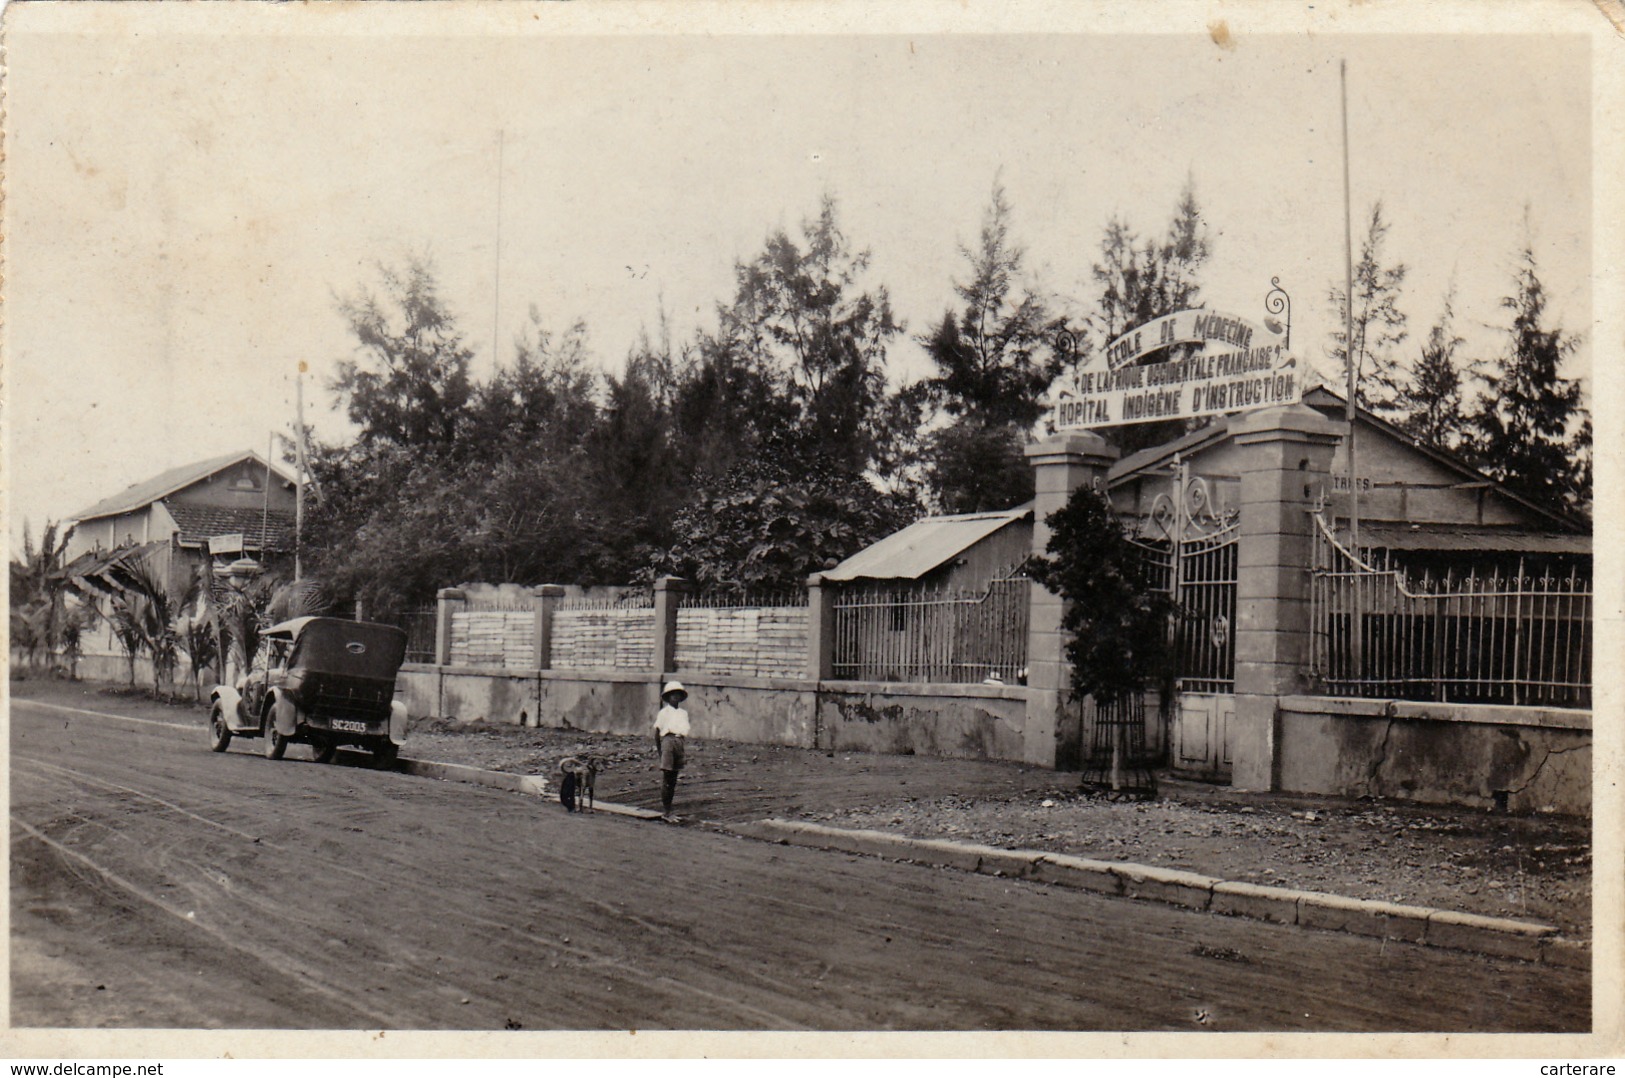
1526,867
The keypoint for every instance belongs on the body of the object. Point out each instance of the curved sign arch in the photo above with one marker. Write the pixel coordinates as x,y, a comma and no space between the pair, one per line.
1229,364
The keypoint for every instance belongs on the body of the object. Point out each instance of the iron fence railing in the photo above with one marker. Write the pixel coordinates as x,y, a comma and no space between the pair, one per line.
954,637
765,600
1488,636
630,600
419,624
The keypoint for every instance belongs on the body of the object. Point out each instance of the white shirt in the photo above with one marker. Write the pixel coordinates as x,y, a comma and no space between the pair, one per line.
672,720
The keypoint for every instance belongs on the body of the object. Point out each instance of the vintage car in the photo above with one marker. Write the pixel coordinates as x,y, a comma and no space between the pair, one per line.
324,682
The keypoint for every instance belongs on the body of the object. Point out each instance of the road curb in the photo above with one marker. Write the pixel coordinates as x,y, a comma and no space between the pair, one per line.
1498,936
479,776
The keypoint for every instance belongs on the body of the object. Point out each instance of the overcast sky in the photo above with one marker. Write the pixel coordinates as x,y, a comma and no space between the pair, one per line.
188,190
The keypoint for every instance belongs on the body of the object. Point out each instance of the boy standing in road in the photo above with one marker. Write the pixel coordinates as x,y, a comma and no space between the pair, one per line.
671,728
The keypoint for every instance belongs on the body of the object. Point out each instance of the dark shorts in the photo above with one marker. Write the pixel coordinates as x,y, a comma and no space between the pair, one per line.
671,753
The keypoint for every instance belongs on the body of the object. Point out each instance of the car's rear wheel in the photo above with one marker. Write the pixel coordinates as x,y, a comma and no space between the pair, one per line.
275,743
219,732
385,753
322,750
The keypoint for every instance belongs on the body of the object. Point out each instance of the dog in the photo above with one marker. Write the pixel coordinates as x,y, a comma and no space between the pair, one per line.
578,782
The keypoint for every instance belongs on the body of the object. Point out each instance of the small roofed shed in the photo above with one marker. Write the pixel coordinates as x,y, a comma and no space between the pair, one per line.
965,552
936,602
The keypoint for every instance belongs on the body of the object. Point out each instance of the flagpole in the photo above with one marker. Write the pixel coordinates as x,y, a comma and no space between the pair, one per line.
1351,408
299,472
496,266
1357,636
265,500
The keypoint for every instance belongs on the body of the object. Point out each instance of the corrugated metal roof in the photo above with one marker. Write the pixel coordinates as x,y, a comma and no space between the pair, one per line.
1446,537
141,495
923,546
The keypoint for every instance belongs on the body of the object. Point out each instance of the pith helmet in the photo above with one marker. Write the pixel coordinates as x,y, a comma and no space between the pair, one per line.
674,687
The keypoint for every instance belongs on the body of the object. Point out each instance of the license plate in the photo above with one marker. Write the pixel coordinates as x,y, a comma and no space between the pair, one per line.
349,726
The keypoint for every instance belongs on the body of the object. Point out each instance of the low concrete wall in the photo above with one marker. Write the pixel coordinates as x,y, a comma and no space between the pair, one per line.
1535,760
983,722
114,668
972,720
606,701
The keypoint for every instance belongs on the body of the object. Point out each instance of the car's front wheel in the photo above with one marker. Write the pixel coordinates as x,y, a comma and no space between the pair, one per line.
219,732
322,750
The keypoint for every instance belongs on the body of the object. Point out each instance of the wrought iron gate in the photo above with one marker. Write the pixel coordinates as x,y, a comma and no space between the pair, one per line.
1191,546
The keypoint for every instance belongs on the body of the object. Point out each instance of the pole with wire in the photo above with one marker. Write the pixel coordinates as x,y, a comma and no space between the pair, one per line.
1357,628
299,472
496,268
1352,407
265,497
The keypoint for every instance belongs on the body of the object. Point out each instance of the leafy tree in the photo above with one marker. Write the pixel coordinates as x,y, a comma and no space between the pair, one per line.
1531,430
631,459
770,522
39,613
546,396
196,634
1430,403
1142,280
144,618
973,468
125,622
727,407
800,315
239,609
412,379
993,360
1379,324
79,619
993,363
781,420
451,480
1119,623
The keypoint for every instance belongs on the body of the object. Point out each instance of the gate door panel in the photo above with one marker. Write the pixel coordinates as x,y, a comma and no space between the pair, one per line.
1192,549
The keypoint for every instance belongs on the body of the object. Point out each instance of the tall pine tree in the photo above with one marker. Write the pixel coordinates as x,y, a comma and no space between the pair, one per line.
1140,281
993,362
1379,324
1430,403
1531,429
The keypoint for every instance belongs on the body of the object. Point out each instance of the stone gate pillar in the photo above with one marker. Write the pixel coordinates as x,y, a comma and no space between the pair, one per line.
1061,464
820,629
447,602
669,592
546,598
1287,456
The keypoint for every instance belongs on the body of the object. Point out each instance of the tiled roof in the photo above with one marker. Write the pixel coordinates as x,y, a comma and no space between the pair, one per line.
924,545
260,529
144,494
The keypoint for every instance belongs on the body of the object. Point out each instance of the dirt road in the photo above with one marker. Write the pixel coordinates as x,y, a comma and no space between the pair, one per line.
156,884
